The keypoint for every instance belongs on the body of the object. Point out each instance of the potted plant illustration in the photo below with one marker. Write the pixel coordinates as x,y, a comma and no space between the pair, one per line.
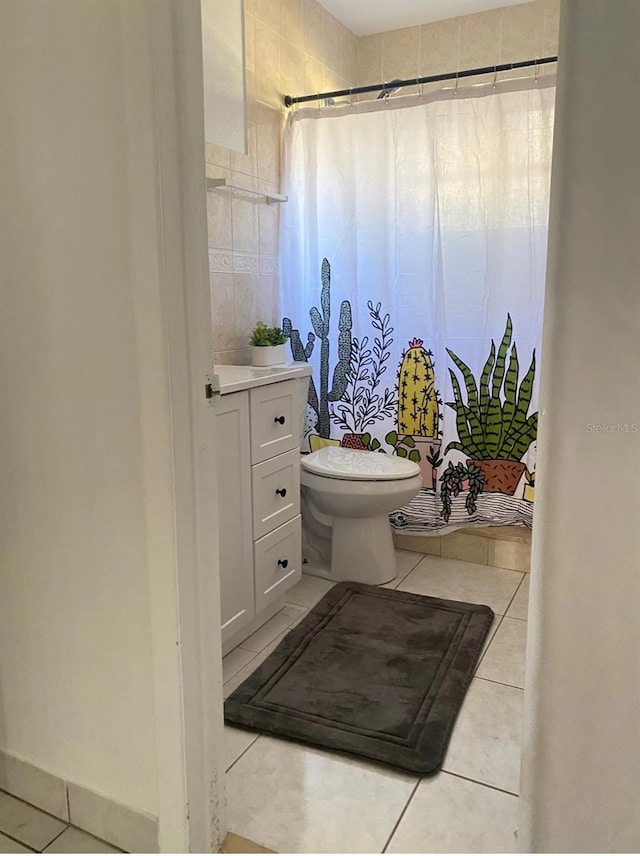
494,428
457,478
419,402
268,345
363,402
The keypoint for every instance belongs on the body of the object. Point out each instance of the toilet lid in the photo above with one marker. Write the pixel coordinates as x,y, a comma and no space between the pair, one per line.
336,463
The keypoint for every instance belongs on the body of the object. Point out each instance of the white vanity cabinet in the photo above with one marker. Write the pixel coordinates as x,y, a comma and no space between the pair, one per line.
259,501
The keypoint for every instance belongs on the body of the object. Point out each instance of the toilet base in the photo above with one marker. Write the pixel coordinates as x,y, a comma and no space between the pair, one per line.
362,550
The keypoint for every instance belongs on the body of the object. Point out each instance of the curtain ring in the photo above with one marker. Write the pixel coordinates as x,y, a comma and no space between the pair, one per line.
350,99
536,70
455,91
495,75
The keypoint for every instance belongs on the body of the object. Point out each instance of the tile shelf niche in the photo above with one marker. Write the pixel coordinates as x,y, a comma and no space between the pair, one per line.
272,198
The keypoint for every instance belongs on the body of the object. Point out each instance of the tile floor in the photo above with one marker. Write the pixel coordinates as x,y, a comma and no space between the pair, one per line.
294,799
26,829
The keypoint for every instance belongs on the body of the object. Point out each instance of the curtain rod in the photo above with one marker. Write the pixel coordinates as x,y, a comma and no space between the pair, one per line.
289,101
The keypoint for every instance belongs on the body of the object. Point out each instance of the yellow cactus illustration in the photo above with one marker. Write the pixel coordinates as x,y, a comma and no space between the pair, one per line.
418,399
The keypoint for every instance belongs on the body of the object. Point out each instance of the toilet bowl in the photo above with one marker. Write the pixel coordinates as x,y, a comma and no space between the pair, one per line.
346,500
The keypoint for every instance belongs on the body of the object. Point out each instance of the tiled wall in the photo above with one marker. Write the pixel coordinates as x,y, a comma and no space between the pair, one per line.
509,34
297,47
292,47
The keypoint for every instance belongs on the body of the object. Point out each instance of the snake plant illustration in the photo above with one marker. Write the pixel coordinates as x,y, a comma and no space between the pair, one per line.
494,428
321,322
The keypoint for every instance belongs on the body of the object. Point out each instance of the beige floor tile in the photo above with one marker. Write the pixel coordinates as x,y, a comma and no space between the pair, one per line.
273,628
465,547
8,845
465,581
26,823
76,841
236,741
405,562
448,814
294,799
309,591
505,657
486,740
234,682
520,606
234,661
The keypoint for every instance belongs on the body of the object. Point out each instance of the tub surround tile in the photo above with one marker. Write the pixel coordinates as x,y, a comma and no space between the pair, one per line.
429,545
313,29
509,554
466,548
485,744
448,814
401,54
27,824
236,844
291,21
504,660
295,799
465,581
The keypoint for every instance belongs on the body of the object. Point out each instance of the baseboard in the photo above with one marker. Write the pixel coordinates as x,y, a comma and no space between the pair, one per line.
500,546
119,825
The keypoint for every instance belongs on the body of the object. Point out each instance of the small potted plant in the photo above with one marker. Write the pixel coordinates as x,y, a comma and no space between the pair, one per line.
268,345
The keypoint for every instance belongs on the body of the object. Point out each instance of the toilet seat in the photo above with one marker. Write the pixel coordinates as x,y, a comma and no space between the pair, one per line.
350,465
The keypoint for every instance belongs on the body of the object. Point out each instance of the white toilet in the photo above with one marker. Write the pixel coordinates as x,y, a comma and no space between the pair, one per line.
346,500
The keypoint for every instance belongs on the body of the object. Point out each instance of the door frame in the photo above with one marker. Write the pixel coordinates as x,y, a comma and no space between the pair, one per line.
162,82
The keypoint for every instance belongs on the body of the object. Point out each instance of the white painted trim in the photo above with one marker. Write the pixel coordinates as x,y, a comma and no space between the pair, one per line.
162,76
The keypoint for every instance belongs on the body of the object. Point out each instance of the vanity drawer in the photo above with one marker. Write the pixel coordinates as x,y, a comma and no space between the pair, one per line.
276,492
277,562
274,420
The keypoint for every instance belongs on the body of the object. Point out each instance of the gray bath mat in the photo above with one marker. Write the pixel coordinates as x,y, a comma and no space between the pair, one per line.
370,671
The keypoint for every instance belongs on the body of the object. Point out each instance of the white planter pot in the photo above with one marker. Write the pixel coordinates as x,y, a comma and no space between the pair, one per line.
270,355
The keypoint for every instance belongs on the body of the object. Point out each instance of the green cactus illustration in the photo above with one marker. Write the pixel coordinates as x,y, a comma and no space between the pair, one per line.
418,399
321,321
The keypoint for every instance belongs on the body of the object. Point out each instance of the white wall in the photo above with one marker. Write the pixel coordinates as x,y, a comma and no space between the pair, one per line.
580,783
88,612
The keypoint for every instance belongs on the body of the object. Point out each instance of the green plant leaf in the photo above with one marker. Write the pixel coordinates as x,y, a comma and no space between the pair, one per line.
409,441
493,429
400,452
484,383
462,421
391,438
498,372
470,382
454,446
525,438
414,456
510,392
366,438
524,400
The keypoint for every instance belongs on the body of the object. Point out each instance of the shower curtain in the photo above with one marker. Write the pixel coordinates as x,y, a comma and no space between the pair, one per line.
413,251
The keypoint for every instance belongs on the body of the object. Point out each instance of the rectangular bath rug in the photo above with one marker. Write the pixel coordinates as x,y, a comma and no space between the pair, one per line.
369,671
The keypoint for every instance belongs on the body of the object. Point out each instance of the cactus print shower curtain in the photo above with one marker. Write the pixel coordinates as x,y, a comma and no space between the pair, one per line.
413,251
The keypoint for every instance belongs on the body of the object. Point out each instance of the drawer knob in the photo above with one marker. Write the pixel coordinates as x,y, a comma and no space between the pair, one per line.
283,563
280,419
282,491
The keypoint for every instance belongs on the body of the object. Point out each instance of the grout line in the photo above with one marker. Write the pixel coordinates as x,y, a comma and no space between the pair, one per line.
55,838
518,587
244,752
500,683
402,814
15,840
483,784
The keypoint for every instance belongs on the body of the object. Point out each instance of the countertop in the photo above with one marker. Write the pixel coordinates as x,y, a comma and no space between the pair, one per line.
237,378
